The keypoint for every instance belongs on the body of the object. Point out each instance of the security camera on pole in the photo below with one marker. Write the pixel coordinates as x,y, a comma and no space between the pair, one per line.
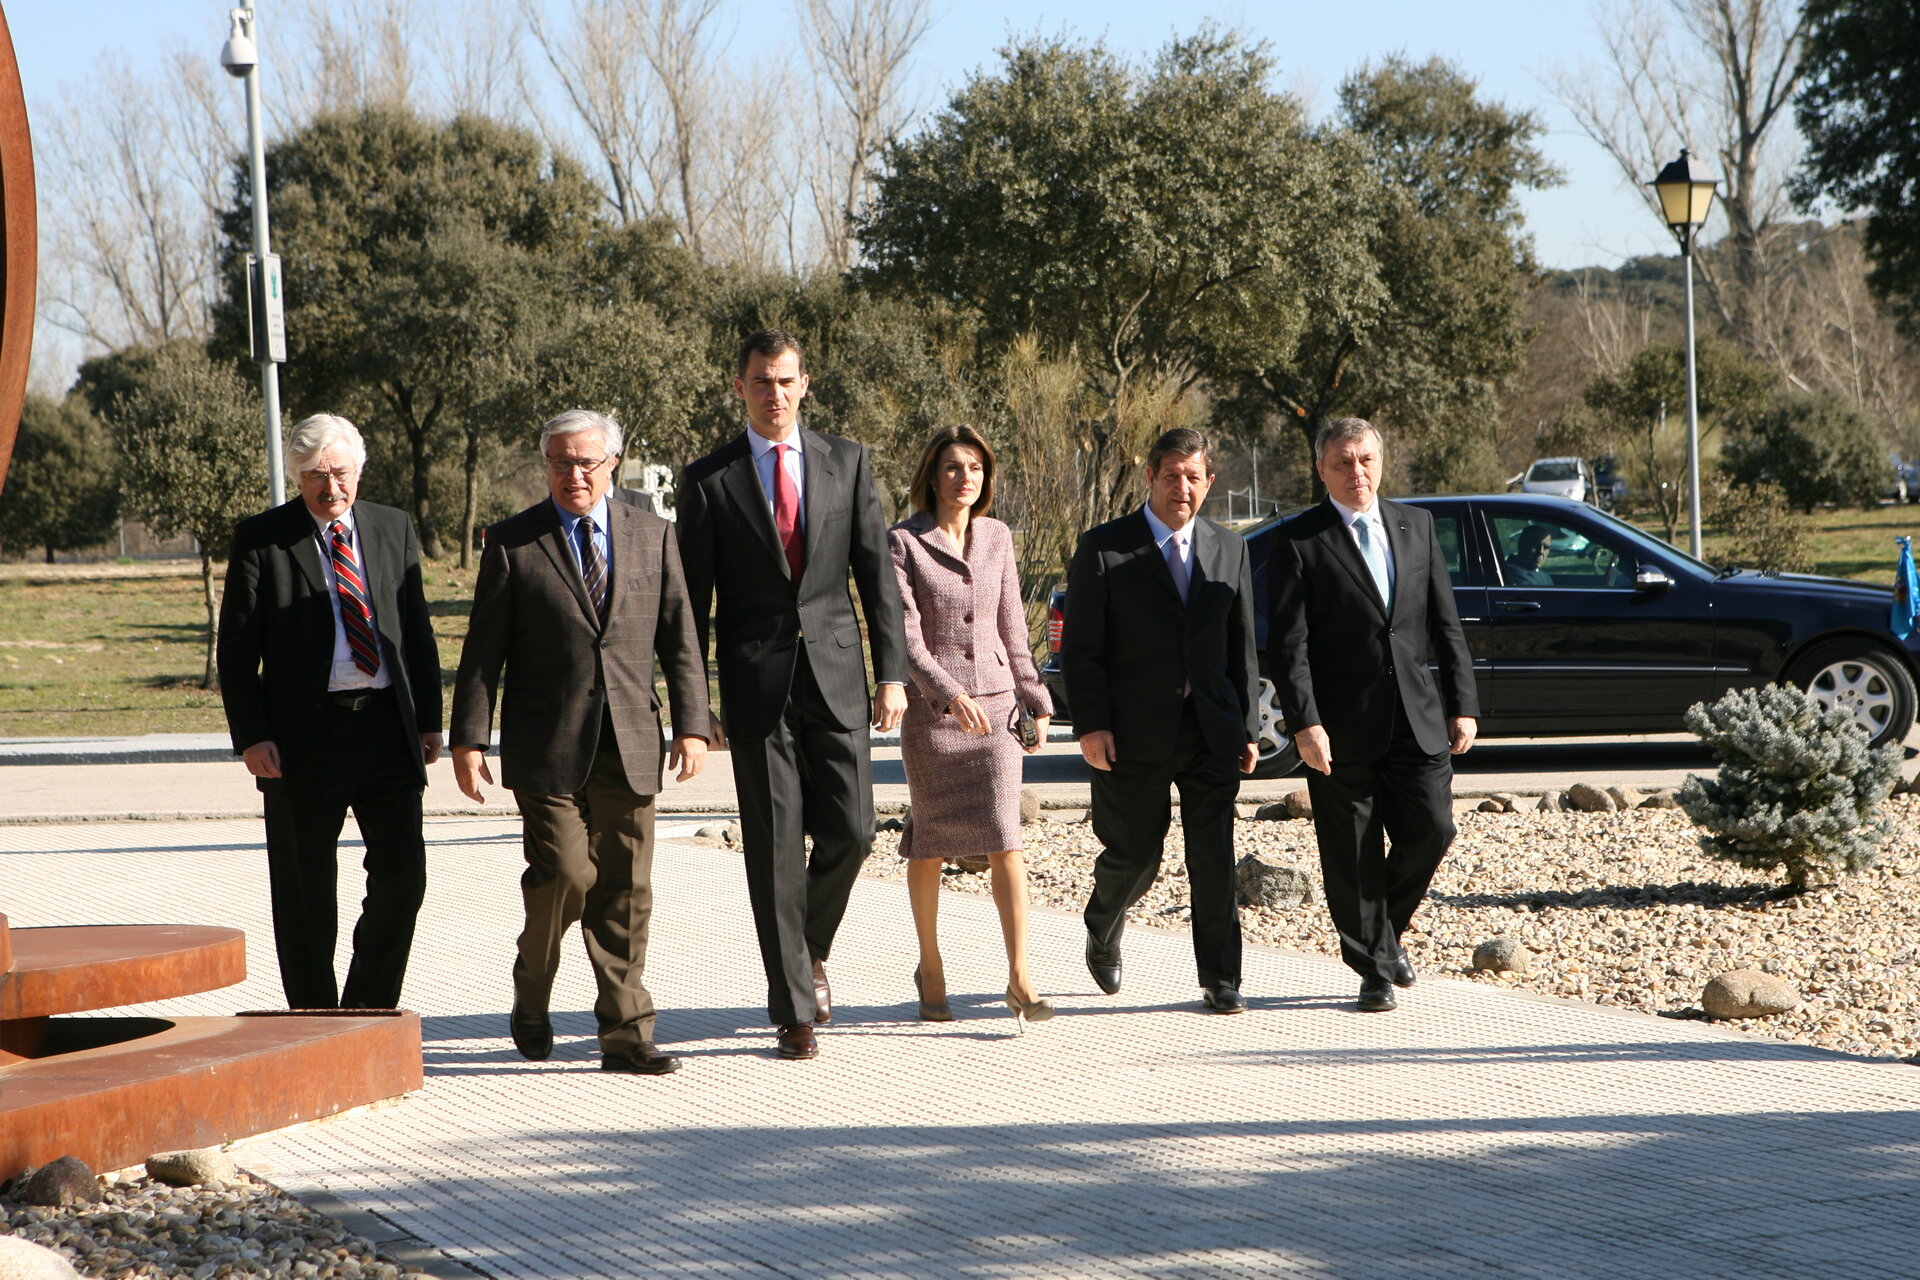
265,310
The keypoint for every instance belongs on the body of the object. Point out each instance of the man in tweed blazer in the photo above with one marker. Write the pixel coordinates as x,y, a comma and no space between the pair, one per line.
577,597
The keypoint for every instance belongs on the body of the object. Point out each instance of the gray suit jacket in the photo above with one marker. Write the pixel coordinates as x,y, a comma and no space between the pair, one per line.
966,625
531,615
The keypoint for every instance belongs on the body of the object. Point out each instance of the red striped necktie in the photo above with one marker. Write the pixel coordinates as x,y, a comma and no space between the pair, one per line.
356,612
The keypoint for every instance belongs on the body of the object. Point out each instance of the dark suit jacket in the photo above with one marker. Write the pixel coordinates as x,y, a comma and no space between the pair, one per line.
1130,647
276,629
761,616
1338,660
531,614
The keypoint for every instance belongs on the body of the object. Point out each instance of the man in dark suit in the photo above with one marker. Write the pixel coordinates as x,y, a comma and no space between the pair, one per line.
331,682
1162,677
771,525
1359,596
577,597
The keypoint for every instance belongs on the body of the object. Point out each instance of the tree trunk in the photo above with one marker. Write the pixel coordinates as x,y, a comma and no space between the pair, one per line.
472,511
210,680
49,553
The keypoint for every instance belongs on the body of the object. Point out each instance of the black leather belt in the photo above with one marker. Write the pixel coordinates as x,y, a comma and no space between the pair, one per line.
358,699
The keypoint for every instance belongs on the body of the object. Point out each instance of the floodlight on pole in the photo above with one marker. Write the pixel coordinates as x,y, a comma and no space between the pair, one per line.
1685,189
240,55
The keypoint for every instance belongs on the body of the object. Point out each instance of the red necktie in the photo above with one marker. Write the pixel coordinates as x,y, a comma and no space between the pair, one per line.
355,613
786,512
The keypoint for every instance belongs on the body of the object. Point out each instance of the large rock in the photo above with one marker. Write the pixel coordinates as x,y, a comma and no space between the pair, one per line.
1300,803
973,866
1747,993
1553,802
1262,882
1624,798
1491,805
1275,812
1661,800
1502,955
1588,798
889,824
65,1181
1029,806
191,1168
1509,802
25,1260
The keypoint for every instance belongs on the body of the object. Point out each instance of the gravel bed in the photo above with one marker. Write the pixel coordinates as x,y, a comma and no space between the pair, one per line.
243,1227
1618,909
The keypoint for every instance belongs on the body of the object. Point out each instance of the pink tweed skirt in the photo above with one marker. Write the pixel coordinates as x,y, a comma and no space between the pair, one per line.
964,790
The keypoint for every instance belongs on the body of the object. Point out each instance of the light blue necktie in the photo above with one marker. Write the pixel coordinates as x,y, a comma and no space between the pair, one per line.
1375,552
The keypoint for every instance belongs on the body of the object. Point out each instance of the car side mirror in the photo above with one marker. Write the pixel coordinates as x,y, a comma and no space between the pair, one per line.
1647,578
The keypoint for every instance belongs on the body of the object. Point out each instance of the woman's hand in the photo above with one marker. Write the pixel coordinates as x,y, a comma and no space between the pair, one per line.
1040,723
972,719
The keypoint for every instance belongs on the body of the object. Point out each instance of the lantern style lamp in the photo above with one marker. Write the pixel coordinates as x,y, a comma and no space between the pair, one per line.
1685,189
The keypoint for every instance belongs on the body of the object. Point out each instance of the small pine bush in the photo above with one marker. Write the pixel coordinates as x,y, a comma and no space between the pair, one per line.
1798,788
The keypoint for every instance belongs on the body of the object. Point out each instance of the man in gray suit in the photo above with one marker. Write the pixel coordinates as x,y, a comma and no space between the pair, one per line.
577,597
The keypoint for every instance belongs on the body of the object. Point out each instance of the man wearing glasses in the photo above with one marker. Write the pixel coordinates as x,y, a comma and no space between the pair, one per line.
578,599
331,682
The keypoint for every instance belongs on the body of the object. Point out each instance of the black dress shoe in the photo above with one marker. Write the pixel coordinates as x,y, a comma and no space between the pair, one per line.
643,1061
1402,971
1222,997
797,1042
1104,966
1376,996
822,994
532,1033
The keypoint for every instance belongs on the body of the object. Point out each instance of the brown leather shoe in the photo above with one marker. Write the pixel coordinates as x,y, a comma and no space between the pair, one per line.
644,1061
822,994
797,1042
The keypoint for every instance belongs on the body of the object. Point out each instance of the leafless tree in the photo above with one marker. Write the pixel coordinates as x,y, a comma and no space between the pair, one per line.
859,50
334,55
1718,77
478,54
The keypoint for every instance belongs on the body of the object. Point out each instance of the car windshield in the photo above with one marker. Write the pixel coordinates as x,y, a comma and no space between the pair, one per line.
1641,538
1554,471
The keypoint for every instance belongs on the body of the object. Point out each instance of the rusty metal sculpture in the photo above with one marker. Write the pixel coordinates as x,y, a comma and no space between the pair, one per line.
19,238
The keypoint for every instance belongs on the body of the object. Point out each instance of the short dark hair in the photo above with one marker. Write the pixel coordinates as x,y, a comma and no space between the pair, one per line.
1341,430
1535,535
1184,441
771,343
923,492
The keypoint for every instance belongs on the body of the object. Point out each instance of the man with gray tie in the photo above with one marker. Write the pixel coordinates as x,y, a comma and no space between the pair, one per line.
1162,679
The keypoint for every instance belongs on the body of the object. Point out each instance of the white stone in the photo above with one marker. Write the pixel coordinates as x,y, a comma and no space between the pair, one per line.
188,1168
1502,955
1262,882
24,1260
1747,993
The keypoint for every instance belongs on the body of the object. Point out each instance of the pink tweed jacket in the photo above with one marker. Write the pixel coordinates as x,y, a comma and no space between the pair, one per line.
966,627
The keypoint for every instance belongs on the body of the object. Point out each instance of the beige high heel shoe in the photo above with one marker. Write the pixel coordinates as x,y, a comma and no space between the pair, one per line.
1038,1010
942,1012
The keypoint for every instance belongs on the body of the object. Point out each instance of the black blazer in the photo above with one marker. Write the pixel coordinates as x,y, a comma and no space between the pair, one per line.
564,667
1338,660
276,629
733,559
1130,647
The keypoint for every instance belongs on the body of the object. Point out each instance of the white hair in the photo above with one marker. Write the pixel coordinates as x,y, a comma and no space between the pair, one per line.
312,436
574,421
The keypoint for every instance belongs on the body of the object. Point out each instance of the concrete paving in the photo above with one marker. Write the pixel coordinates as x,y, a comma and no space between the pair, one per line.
1473,1133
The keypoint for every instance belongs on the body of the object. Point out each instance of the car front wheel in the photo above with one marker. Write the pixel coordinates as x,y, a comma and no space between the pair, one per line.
1868,682
1277,758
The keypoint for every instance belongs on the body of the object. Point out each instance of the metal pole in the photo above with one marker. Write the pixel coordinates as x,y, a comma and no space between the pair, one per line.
1693,410
257,167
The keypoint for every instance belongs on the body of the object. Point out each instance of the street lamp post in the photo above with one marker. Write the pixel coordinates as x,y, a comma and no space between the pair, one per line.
241,57
1686,193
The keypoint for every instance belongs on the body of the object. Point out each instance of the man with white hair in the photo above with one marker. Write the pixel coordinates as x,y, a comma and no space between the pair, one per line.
578,599
331,681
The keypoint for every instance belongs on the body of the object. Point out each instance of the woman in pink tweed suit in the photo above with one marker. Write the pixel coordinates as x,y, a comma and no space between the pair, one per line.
967,649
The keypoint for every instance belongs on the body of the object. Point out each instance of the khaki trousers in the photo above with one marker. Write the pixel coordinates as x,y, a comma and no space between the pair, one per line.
590,859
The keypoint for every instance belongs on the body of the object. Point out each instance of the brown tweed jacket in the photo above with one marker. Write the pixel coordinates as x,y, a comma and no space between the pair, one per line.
966,626
531,615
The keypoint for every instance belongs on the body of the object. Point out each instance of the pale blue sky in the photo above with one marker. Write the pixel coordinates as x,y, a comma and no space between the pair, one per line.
1509,45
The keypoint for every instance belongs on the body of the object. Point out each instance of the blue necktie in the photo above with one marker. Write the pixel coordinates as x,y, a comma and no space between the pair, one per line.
1373,549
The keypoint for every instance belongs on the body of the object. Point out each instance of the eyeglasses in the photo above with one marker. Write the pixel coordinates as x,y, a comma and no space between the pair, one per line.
339,475
565,466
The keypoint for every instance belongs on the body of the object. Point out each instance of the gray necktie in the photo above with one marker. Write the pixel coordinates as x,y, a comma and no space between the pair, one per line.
592,569
1177,566
1374,550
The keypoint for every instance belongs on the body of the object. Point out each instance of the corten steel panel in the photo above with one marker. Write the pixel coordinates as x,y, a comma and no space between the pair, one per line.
6,951
18,245
199,1082
79,968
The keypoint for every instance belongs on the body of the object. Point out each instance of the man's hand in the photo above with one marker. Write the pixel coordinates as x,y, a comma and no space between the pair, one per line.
889,704
1316,751
1249,757
431,745
1096,748
688,754
718,742
1462,730
470,770
1040,724
972,719
262,760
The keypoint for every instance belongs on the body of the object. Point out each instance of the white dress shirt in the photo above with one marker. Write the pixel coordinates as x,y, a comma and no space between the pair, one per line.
1349,517
763,456
346,675
1182,538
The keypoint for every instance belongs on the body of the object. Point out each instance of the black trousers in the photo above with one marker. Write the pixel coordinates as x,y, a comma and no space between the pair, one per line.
1131,813
806,778
590,862
369,768
1406,797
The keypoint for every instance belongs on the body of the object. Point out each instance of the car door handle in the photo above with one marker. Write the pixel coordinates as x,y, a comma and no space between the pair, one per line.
1517,606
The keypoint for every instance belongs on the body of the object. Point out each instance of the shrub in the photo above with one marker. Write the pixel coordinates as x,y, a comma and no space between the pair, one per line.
1798,788
1817,448
1761,533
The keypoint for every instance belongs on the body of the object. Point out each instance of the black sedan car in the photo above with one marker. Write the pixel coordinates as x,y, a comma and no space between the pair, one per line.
1582,624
